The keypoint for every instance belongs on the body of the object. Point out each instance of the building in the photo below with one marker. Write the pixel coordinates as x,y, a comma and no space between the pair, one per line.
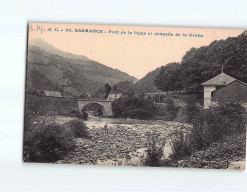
113,96
51,93
235,91
224,88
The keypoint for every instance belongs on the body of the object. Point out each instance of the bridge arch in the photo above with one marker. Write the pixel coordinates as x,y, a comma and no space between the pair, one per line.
104,104
95,106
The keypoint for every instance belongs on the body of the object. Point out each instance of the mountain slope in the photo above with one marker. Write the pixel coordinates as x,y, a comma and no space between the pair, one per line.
68,73
146,84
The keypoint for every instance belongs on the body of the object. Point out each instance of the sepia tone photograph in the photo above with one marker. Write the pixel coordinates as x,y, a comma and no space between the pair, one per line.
135,96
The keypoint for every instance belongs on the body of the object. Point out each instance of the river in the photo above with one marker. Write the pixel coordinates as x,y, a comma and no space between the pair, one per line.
125,143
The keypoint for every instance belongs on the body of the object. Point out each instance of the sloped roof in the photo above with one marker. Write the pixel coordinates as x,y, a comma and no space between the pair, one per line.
221,79
228,85
52,93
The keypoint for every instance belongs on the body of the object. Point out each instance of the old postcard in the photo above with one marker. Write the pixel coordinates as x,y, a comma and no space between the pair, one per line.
136,95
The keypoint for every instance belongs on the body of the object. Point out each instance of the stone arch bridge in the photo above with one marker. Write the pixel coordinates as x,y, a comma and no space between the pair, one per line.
104,104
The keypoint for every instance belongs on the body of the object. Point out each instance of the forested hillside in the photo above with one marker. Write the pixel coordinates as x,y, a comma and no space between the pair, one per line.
146,84
49,68
201,64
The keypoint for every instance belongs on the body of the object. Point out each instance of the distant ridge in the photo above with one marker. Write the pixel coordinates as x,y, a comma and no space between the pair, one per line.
146,84
49,68
53,50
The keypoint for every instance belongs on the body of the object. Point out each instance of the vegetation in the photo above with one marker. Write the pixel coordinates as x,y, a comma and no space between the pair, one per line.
79,128
46,141
191,109
57,67
214,125
168,77
180,147
172,109
219,154
107,89
133,107
200,65
81,115
123,87
84,116
154,152
146,84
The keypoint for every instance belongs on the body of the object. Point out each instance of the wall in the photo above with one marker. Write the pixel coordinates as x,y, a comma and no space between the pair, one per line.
207,95
43,104
113,96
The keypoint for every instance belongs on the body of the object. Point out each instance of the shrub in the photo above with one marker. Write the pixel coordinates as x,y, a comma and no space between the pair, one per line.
191,109
180,147
133,107
47,141
154,152
216,123
234,117
75,112
78,114
84,116
219,154
78,128
172,109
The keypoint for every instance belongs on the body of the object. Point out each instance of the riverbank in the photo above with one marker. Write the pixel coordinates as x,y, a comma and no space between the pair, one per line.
225,154
124,144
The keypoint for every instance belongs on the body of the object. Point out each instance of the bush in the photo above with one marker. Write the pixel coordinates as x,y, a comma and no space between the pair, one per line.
180,147
154,152
219,154
84,116
234,117
78,114
172,109
216,123
46,141
209,126
75,112
191,109
133,107
78,128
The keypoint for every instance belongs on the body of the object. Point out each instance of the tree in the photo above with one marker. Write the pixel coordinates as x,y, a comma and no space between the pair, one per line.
107,89
123,87
204,63
133,107
201,64
168,78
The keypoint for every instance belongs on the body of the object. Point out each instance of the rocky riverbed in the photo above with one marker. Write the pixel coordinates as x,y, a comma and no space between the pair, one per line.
124,144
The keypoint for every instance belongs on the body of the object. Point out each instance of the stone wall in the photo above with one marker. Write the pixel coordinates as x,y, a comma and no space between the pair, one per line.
44,104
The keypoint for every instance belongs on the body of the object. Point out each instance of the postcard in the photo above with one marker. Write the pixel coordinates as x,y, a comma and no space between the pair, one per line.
135,96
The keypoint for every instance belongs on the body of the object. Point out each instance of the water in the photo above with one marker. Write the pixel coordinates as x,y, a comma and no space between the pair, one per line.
140,126
96,120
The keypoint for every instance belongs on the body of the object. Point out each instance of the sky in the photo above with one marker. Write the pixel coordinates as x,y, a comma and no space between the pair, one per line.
136,54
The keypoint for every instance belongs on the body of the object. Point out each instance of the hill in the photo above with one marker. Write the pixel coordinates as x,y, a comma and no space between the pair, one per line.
201,64
49,68
146,84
